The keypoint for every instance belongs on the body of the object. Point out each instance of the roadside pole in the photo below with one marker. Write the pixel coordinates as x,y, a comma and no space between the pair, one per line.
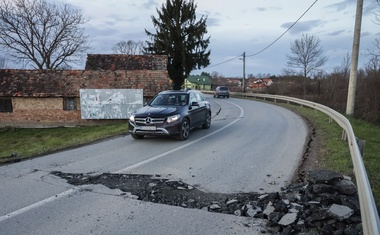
354,60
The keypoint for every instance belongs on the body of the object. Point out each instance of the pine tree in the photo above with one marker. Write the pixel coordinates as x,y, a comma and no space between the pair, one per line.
181,37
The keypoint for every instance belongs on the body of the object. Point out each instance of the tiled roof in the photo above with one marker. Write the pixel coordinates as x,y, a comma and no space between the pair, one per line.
125,62
38,83
199,79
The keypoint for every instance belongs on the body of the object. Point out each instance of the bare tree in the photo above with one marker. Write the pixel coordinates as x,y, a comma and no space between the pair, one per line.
306,56
333,87
47,35
377,40
345,66
373,65
216,74
128,47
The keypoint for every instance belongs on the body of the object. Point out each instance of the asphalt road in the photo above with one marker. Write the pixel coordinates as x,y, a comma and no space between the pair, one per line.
250,147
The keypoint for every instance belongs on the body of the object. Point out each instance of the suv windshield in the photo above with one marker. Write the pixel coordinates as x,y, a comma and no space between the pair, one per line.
169,99
223,88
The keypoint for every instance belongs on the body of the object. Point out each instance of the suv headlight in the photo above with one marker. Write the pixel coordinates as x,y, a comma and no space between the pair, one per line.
173,118
132,118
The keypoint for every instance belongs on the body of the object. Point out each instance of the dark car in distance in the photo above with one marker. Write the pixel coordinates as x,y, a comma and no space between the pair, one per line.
171,113
222,91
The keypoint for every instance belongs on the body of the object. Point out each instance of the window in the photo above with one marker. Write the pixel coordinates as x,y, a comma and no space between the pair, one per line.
184,99
200,98
193,98
69,104
6,105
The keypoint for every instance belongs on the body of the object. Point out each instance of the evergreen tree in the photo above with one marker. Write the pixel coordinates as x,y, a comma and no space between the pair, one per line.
179,36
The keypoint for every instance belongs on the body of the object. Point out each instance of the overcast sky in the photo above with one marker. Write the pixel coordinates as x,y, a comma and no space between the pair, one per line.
241,26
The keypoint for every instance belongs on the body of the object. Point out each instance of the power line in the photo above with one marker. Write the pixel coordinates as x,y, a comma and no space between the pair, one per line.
224,61
285,31
214,65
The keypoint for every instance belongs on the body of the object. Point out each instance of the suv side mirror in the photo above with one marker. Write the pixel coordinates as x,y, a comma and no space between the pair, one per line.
194,104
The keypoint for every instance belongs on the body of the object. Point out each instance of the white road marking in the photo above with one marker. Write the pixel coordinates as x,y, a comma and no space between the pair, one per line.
37,204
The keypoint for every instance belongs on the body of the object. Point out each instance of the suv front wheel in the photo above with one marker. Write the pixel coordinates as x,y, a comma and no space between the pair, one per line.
207,123
184,130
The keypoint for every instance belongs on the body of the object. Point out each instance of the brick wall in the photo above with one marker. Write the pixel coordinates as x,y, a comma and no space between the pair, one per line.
40,112
45,112
125,62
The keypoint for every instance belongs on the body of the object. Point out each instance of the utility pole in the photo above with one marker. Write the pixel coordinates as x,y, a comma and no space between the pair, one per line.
354,60
244,72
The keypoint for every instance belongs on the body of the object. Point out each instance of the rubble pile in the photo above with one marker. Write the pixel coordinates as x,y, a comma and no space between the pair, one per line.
326,204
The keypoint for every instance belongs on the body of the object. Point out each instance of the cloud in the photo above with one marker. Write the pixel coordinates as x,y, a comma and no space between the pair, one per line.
302,26
211,22
341,6
336,33
149,4
365,34
369,7
264,9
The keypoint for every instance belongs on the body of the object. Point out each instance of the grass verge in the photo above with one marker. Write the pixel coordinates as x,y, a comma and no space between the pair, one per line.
17,143
335,154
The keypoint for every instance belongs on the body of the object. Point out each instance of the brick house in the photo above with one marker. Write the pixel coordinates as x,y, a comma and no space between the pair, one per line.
46,98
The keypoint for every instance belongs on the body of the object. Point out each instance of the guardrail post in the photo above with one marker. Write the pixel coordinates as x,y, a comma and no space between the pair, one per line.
361,144
344,135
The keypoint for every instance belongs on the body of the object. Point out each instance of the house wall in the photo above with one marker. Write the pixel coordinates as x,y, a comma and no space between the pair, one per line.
196,86
37,104
44,113
204,87
39,112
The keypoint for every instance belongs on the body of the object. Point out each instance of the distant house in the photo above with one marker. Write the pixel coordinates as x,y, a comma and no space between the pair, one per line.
45,98
258,83
233,83
198,82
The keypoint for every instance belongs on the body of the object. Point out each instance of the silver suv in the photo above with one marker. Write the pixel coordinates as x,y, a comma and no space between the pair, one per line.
223,91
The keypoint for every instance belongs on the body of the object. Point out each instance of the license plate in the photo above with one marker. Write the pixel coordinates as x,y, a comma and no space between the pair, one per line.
148,128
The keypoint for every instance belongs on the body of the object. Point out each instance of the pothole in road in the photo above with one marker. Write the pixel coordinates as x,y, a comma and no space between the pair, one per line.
326,204
153,188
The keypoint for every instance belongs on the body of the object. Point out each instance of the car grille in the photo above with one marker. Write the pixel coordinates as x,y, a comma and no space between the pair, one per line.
149,120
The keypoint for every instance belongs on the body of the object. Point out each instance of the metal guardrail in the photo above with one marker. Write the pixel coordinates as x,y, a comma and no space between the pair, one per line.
369,214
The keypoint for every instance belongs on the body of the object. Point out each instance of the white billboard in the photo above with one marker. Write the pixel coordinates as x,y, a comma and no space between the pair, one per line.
110,103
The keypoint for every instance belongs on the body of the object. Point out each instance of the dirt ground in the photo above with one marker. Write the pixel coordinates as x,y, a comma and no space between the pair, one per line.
312,158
